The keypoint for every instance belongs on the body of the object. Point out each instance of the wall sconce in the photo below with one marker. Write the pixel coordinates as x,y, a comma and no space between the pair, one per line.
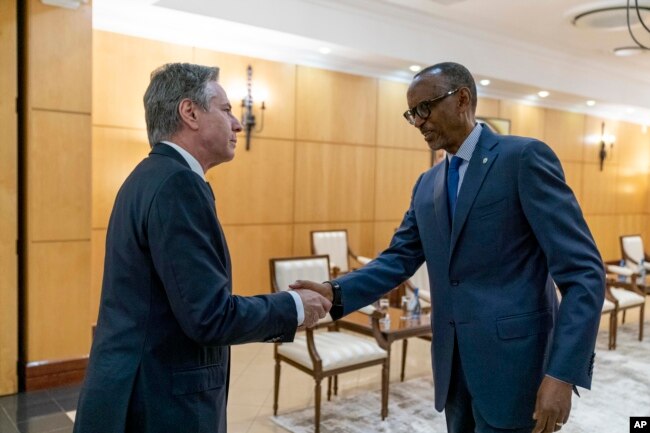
248,118
605,140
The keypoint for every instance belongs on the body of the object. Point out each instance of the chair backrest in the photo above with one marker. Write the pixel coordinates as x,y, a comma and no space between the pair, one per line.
334,243
420,279
632,248
286,270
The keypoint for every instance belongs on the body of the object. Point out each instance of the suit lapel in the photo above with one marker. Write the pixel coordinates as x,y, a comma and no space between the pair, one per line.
479,166
440,204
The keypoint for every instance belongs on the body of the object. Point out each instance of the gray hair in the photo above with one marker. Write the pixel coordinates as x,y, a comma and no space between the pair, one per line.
456,76
169,85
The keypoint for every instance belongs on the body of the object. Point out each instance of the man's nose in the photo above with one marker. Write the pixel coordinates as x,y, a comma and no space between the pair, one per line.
236,126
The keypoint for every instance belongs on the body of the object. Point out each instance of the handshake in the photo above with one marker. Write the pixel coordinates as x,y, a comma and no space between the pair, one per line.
316,300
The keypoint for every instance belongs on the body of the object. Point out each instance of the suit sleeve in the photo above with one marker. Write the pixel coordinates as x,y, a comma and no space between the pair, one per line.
190,257
573,261
391,268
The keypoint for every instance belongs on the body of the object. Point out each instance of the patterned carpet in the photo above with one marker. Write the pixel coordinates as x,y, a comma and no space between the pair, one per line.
620,389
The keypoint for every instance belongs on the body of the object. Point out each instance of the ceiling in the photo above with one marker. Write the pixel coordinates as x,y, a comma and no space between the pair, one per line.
522,46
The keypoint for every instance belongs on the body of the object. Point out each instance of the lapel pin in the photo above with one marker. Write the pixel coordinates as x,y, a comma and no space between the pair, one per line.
484,160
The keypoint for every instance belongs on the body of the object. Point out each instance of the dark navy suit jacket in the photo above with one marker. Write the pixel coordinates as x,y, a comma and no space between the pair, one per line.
516,222
160,355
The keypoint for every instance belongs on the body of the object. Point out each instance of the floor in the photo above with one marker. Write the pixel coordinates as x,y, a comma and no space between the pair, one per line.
251,395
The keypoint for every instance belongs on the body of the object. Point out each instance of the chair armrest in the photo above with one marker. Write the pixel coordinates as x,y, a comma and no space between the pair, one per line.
363,260
313,352
632,287
620,270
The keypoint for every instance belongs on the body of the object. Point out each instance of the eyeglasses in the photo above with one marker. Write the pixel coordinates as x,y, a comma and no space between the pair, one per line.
423,109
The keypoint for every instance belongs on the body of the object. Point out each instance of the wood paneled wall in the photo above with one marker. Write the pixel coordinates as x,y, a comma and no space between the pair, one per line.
57,181
335,152
8,198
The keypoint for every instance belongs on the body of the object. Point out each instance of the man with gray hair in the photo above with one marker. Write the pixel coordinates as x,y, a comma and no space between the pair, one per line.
160,358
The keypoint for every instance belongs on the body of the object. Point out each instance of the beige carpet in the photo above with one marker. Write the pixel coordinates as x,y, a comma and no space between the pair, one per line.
620,389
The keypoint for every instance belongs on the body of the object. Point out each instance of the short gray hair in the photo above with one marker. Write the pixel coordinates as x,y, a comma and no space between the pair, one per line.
456,76
169,85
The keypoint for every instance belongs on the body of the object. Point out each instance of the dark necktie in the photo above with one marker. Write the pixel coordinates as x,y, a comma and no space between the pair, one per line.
452,184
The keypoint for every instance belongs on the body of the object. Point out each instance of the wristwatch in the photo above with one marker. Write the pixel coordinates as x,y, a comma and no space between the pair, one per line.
336,292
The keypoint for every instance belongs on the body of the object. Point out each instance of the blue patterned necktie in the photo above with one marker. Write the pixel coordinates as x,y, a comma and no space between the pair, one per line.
452,184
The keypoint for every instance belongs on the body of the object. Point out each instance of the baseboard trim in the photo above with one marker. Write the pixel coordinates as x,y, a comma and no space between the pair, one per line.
50,374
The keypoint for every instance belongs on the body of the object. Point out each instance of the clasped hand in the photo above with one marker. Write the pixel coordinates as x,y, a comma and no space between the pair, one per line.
314,300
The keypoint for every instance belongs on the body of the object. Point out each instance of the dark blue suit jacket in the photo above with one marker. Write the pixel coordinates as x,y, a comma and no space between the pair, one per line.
516,222
160,355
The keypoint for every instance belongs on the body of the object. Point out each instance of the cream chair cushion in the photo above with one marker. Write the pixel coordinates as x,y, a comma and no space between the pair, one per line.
627,298
334,244
336,349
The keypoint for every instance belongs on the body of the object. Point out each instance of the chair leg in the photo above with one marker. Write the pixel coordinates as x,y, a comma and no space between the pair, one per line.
404,348
615,331
385,371
329,388
317,392
623,318
641,313
276,388
336,385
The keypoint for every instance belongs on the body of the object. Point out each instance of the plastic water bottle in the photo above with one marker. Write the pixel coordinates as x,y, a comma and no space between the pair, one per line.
415,307
621,278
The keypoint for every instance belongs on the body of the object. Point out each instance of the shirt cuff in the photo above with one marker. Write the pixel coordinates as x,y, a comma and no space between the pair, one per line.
300,309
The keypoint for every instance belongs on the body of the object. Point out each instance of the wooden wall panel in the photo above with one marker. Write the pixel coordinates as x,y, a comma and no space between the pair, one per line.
58,181
55,83
8,199
384,231
115,153
251,247
573,176
629,224
360,237
525,120
273,82
396,173
392,129
599,189
121,69
335,107
58,326
334,182
602,228
564,132
632,190
257,186
487,107
633,147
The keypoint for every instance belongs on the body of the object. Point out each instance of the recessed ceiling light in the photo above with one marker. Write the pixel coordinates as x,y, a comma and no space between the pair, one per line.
485,82
629,110
543,93
591,102
324,50
415,68
627,51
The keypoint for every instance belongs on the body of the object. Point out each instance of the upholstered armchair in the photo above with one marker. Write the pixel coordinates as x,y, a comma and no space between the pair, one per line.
335,244
633,253
325,353
626,294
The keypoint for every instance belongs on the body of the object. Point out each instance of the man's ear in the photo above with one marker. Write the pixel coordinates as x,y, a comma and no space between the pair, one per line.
464,99
187,112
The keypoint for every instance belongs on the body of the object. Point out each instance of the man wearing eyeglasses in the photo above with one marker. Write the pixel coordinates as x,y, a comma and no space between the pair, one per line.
497,225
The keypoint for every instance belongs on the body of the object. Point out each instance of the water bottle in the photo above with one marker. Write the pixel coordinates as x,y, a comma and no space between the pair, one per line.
415,307
621,278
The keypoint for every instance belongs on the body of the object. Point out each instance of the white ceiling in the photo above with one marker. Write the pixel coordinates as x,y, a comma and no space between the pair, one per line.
523,46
